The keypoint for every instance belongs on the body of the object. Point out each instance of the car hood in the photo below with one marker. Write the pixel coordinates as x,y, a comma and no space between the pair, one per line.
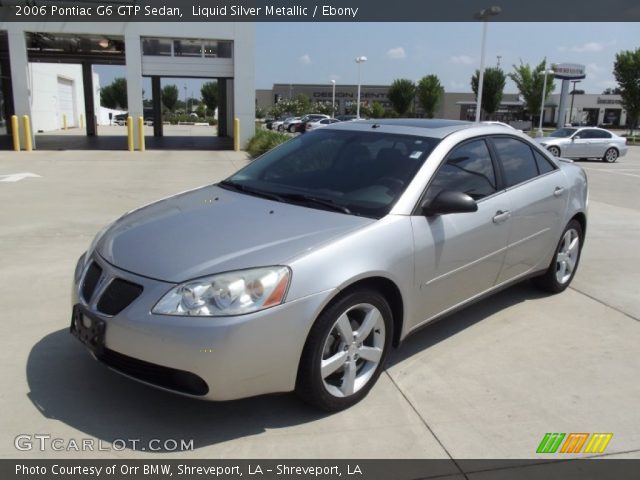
211,230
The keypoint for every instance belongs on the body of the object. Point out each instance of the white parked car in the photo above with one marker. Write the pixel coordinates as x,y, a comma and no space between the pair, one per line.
585,142
278,125
316,124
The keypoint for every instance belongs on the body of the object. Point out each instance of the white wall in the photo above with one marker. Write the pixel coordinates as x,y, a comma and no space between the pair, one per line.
43,85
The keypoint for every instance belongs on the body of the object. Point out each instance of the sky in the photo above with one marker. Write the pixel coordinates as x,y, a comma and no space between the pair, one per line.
320,52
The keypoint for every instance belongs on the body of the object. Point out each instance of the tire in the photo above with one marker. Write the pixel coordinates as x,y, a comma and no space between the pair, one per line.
351,367
565,260
280,128
555,151
291,128
610,156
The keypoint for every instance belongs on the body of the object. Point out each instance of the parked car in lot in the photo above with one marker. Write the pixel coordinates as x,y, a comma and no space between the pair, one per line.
300,125
585,142
278,125
303,269
288,122
319,123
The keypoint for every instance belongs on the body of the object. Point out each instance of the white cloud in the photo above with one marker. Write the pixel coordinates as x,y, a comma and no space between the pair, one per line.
305,59
397,53
462,60
589,47
456,86
334,76
607,84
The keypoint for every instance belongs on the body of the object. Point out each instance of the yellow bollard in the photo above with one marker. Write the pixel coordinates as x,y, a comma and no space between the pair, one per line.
82,120
26,125
236,134
15,133
130,133
64,121
141,133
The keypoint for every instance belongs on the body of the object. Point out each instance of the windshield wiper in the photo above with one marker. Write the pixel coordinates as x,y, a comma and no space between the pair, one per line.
324,202
251,191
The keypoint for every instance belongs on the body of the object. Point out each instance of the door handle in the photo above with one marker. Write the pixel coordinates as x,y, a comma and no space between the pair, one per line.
501,216
558,191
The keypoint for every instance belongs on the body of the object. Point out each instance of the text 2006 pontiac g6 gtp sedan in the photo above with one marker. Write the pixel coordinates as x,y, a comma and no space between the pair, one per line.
301,271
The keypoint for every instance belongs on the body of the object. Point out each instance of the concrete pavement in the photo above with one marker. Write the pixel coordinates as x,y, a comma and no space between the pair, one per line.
488,382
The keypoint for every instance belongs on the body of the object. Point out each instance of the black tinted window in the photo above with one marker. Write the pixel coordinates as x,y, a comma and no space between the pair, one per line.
517,160
365,172
468,169
544,165
600,134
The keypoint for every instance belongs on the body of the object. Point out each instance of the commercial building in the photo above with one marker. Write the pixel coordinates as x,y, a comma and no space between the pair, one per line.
218,51
588,109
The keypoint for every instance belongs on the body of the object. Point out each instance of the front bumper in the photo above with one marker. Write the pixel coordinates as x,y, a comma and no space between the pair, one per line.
235,357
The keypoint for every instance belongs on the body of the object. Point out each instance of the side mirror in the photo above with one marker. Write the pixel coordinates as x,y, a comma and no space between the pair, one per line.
575,137
449,201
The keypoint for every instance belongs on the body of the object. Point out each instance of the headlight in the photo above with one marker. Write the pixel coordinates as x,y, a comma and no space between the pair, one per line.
232,293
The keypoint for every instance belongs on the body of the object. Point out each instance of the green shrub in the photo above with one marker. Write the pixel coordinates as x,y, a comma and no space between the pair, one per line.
263,141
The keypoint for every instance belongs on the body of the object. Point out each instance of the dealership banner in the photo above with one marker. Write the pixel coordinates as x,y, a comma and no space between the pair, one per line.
159,469
318,11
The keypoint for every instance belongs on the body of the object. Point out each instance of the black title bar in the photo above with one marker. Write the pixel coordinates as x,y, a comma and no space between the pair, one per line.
318,11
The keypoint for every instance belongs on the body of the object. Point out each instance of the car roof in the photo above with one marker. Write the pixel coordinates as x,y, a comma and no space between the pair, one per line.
435,128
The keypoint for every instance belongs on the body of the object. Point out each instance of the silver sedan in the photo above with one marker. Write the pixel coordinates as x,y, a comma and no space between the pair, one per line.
303,269
585,142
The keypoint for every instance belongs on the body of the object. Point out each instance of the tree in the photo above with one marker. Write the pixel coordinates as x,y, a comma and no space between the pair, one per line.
209,93
430,92
492,89
626,70
115,95
611,91
529,83
401,94
170,97
377,110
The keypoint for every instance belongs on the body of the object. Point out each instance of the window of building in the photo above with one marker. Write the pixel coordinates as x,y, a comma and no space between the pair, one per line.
156,46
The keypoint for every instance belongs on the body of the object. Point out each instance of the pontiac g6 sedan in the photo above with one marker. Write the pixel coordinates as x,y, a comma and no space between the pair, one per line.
303,269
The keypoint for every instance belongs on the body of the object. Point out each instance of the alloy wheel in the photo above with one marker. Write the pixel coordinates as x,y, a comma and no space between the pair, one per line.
567,256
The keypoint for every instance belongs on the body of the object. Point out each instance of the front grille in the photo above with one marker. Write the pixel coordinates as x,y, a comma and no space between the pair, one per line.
165,377
90,281
118,296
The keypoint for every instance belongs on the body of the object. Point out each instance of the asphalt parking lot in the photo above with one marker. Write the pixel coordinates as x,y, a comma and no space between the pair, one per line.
488,382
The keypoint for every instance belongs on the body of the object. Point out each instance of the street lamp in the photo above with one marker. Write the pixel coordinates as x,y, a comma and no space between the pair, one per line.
359,60
333,99
573,94
544,94
483,15
185,98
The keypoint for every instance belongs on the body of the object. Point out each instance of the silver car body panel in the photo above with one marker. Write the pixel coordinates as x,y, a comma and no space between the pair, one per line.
437,263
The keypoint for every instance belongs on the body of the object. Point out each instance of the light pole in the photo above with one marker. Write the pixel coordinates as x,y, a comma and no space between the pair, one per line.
333,99
573,94
483,15
544,94
359,61
185,98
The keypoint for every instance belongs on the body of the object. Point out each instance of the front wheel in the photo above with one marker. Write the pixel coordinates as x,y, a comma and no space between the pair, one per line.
610,156
555,151
345,351
292,128
565,260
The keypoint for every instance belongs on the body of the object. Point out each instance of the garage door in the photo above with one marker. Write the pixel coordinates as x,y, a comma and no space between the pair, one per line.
65,102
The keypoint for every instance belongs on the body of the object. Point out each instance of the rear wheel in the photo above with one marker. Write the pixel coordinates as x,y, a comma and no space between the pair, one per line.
555,151
565,260
292,128
345,351
610,156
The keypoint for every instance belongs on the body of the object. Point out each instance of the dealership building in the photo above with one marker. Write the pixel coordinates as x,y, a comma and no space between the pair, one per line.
219,51
587,109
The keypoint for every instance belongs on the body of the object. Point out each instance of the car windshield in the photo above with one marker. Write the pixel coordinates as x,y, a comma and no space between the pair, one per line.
564,132
358,173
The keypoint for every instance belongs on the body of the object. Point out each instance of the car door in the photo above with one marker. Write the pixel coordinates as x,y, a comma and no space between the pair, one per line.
599,142
537,192
458,256
579,144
